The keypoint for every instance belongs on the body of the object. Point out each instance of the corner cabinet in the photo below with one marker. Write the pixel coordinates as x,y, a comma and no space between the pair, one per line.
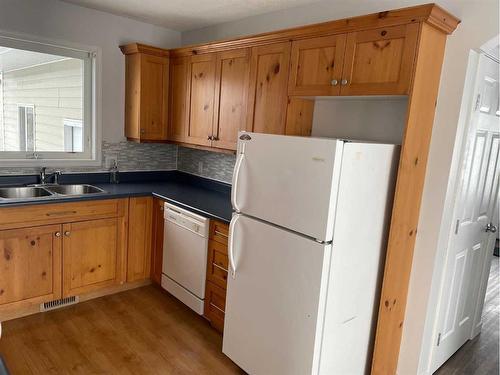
146,92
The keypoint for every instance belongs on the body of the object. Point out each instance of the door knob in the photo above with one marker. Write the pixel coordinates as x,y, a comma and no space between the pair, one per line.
334,82
490,228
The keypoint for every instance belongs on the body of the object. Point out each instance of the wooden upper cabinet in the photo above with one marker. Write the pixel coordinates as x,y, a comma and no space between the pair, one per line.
201,94
316,65
178,113
146,92
231,97
267,104
30,264
380,61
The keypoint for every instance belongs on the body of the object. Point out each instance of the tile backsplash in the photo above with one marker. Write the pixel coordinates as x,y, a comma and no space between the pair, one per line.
207,164
131,157
153,156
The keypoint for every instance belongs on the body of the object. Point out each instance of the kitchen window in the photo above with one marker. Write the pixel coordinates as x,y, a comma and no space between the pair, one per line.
47,104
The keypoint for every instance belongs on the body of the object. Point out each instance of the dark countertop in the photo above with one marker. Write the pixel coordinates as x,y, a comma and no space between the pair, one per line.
203,196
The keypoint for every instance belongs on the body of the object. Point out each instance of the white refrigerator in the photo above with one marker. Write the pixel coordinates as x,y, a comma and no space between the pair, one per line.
306,253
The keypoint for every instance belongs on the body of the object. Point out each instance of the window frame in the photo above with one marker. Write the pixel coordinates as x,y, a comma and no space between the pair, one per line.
91,57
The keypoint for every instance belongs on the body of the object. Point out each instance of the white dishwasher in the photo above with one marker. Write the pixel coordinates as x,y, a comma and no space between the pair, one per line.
184,267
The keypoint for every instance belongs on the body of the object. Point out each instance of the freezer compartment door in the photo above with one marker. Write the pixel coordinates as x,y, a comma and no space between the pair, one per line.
288,181
275,299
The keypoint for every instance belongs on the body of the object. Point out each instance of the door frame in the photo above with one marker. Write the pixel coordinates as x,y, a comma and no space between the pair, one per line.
431,328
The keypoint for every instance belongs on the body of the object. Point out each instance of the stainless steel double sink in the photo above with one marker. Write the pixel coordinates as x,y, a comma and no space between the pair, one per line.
32,192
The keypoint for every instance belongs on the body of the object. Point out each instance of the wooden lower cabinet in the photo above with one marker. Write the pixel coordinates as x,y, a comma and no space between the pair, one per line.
92,255
59,250
215,305
139,238
217,273
30,264
157,240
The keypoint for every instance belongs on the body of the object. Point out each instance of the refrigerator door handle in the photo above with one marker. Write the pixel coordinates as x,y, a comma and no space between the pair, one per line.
236,177
232,226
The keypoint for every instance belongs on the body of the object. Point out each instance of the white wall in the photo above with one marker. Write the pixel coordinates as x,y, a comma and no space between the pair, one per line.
57,20
479,24
321,11
379,120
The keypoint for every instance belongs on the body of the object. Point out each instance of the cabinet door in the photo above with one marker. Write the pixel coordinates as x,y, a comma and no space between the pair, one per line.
379,61
269,67
154,97
92,255
317,66
30,264
157,241
139,238
231,97
179,116
201,73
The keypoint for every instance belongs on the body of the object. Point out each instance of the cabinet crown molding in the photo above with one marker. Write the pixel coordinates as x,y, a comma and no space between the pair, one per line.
429,13
129,49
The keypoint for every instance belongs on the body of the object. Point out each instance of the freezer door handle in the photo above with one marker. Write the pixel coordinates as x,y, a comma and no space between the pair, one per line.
236,177
232,226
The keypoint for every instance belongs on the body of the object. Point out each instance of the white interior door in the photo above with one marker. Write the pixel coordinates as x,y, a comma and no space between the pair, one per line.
469,247
275,300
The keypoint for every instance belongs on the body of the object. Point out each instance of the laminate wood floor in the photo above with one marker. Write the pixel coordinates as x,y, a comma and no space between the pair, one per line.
141,331
480,356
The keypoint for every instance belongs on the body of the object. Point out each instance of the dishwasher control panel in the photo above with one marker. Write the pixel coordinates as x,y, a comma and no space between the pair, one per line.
186,219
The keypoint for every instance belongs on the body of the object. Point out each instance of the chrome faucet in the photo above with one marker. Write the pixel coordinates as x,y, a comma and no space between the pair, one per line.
44,176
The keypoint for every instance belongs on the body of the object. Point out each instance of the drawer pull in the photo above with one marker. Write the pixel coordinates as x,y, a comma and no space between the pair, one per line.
217,233
60,213
220,267
217,308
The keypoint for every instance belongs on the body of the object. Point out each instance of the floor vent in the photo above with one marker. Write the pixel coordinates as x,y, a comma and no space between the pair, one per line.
58,303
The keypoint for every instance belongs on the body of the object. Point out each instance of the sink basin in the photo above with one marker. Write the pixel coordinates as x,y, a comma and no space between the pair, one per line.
75,189
23,192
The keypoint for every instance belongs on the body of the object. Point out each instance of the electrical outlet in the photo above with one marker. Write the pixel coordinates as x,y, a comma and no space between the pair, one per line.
200,167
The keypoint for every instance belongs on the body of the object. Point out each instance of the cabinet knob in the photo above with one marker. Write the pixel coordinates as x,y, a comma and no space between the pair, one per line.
67,233
334,82
215,138
143,131
210,138
57,234
344,82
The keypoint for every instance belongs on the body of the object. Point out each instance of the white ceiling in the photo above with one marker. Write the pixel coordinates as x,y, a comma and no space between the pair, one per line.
185,15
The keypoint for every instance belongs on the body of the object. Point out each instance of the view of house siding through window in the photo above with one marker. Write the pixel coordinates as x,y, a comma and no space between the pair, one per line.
41,102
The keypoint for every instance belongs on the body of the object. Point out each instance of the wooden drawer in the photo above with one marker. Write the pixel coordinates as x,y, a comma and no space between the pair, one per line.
215,305
217,265
219,231
26,216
